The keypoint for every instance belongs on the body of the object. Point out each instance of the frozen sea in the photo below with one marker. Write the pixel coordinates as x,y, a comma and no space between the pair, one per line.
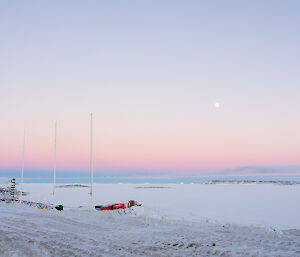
176,219
45,177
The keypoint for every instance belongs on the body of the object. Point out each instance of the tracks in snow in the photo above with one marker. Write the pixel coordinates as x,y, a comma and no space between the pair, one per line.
32,232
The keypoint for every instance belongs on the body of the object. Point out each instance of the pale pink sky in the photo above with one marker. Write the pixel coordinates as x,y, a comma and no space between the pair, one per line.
151,74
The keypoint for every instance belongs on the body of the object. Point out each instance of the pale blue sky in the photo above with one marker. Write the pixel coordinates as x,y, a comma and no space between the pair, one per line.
155,68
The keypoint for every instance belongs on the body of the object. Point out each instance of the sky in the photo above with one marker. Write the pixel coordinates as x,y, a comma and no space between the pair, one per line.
151,73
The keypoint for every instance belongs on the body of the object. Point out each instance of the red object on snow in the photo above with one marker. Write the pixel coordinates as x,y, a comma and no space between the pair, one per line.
104,208
117,206
132,203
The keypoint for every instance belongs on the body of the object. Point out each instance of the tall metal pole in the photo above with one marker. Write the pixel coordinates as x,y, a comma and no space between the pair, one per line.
91,156
54,167
22,172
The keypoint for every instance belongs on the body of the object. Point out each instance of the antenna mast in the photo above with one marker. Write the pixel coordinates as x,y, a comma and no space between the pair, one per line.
22,172
91,156
54,167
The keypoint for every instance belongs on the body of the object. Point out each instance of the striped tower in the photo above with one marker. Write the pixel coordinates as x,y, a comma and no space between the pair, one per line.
13,189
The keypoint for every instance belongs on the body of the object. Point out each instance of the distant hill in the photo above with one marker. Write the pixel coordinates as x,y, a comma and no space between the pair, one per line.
293,170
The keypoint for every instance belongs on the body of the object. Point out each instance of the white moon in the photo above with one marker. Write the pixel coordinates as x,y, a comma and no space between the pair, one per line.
217,105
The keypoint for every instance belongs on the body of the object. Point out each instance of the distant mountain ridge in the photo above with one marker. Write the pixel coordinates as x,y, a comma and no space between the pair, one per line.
262,170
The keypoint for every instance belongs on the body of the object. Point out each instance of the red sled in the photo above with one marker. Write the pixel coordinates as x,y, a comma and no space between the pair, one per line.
117,206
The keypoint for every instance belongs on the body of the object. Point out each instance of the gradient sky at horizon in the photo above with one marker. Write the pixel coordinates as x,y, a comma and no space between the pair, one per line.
151,72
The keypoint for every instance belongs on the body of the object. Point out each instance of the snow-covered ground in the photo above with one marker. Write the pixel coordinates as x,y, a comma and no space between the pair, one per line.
175,220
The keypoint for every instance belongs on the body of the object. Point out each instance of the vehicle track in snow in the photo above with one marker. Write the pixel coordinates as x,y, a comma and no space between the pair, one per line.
26,231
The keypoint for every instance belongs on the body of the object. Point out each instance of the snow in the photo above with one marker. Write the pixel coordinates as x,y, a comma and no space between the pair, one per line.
240,204
175,220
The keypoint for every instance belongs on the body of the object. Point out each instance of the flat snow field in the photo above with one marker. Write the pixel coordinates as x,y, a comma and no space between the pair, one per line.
175,220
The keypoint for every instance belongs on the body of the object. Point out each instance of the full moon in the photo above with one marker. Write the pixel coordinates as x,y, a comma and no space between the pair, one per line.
217,105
